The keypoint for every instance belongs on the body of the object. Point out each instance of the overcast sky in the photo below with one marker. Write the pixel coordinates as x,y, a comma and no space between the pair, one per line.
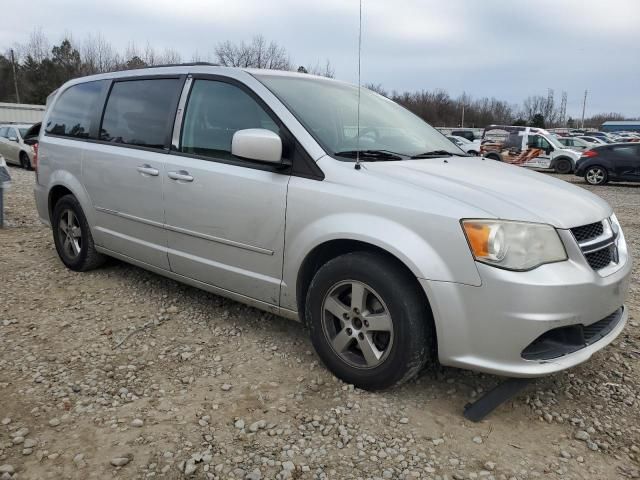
503,48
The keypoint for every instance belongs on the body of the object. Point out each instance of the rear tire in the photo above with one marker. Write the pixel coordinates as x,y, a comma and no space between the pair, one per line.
596,175
72,236
493,156
563,166
370,323
24,161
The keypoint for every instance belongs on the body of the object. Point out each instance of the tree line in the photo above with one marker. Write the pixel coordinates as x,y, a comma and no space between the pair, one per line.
40,68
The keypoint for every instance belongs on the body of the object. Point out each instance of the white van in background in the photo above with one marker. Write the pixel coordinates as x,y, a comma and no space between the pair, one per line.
528,147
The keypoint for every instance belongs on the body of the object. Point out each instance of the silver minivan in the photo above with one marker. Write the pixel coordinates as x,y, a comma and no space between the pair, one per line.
297,195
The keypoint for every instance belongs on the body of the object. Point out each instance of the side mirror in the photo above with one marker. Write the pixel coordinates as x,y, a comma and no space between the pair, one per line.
257,144
13,139
549,150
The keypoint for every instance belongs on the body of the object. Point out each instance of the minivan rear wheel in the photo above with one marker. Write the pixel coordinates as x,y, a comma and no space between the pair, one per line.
596,175
369,322
72,236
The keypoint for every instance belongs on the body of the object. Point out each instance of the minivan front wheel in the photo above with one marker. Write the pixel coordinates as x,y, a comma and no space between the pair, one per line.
72,236
596,175
369,322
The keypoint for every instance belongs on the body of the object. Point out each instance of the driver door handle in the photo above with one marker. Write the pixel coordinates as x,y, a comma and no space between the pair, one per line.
181,176
147,169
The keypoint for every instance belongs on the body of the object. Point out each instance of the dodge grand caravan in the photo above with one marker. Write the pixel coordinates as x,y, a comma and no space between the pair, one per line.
385,239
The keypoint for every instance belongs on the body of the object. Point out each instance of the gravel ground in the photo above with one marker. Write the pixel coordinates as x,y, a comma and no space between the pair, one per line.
120,373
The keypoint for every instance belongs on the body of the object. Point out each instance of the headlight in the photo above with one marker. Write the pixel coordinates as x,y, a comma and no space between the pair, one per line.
513,245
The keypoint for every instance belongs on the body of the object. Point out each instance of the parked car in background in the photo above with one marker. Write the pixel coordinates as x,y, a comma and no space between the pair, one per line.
396,245
12,145
527,147
468,134
615,162
575,143
593,140
472,148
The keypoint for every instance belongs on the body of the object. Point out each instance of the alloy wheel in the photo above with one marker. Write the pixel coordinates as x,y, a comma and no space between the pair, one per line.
595,176
357,324
70,234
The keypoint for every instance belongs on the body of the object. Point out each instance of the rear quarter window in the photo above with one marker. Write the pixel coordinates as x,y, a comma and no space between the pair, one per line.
74,110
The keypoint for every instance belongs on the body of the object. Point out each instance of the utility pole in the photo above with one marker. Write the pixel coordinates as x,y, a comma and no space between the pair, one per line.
584,106
462,120
15,78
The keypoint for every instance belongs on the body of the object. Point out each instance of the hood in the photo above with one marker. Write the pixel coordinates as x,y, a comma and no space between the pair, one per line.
501,190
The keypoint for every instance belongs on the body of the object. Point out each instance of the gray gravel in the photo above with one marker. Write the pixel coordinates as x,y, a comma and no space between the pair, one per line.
120,373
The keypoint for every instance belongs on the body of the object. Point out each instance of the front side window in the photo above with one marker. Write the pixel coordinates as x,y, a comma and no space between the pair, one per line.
536,141
139,112
215,111
74,110
23,131
329,111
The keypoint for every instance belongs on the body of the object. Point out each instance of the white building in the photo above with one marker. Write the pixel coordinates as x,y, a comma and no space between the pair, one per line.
20,113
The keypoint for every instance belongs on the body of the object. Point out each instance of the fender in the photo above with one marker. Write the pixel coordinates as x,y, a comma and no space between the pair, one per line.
407,245
66,179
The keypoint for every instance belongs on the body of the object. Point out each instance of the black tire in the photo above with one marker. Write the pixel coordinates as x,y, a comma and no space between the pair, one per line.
472,152
596,175
563,166
413,336
87,257
24,161
493,156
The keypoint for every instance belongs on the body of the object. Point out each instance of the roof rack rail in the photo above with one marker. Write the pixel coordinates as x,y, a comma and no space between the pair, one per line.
188,64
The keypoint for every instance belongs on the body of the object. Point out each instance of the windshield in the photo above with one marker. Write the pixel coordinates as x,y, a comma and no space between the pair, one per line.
329,111
23,131
554,141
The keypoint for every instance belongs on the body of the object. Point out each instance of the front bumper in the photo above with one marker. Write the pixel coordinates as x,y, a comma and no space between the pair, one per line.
487,328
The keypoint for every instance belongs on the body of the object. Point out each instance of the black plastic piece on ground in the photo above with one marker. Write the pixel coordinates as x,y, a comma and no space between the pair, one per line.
495,397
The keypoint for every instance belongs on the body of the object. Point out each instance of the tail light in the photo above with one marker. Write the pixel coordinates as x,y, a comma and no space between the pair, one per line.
589,154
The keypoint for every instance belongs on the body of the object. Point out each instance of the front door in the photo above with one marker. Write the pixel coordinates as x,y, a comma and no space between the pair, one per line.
124,172
225,216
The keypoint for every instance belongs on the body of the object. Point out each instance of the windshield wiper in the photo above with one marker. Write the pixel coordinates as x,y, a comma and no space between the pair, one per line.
371,155
439,153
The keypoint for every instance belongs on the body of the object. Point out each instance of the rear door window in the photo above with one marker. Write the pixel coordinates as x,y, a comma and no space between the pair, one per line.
141,112
74,110
3,132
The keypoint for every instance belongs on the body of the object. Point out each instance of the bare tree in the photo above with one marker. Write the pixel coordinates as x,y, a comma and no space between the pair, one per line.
257,54
325,70
376,87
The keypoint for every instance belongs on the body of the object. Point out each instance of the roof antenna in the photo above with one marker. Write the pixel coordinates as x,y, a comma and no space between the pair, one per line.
357,166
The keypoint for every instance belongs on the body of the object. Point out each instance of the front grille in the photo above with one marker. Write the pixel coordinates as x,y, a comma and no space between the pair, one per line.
565,340
598,244
588,232
600,258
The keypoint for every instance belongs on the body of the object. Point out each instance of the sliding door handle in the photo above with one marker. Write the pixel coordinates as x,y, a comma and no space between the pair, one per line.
181,176
147,169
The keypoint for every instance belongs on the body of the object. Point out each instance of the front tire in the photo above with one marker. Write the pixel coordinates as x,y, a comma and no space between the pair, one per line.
493,156
596,175
563,166
72,236
369,321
